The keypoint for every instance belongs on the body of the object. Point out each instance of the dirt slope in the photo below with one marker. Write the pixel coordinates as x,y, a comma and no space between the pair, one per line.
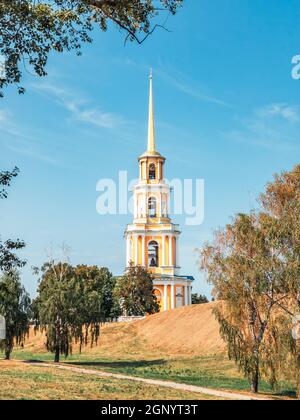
192,329
189,330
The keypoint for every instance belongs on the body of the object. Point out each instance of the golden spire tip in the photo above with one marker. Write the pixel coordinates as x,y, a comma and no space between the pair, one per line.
151,135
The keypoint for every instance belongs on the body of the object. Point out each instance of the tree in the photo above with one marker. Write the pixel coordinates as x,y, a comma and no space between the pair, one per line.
8,259
98,286
31,29
135,292
57,308
15,308
199,299
245,268
72,303
272,258
281,201
109,306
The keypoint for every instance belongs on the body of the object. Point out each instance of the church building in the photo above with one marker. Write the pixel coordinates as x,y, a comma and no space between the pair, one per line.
152,240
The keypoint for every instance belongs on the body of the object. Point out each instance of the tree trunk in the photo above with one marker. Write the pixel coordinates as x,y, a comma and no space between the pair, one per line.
255,374
7,349
298,357
57,340
57,354
298,369
254,384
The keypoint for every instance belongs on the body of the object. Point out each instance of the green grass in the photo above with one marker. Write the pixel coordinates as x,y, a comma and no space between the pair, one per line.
30,382
214,372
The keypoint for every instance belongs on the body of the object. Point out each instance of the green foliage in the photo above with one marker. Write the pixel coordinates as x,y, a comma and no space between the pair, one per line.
246,272
15,308
98,285
199,299
281,201
254,266
72,303
8,259
135,292
31,29
5,180
58,308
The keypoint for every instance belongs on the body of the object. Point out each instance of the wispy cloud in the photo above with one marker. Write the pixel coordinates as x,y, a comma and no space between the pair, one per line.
290,113
274,126
19,140
7,124
190,88
3,116
80,110
180,81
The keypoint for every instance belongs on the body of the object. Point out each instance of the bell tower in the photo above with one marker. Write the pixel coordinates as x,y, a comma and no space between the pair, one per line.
153,240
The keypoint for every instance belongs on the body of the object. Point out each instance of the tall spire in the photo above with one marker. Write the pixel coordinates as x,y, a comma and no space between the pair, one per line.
151,131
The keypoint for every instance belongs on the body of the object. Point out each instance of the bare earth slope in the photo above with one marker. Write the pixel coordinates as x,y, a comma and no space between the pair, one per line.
188,330
192,329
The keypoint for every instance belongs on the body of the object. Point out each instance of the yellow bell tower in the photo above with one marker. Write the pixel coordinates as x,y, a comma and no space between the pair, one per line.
152,240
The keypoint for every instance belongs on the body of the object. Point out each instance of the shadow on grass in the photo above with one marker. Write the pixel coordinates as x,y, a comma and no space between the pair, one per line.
103,364
133,364
285,393
33,361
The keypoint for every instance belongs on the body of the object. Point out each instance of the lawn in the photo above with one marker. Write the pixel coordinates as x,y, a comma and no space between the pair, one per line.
28,382
214,372
132,350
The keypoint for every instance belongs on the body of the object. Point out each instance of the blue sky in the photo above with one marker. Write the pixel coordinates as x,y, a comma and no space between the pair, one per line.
227,111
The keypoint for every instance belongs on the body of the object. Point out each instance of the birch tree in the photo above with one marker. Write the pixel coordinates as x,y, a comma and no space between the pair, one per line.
245,269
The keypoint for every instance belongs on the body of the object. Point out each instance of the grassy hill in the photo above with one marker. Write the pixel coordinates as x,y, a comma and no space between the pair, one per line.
191,330
183,345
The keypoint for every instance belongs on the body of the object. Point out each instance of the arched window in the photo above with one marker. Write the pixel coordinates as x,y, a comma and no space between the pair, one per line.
152,171
153,254
159,296
152,207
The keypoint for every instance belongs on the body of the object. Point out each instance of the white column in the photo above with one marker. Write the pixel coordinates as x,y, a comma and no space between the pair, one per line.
177,252
146,205
135,212
185,295
136,249
172,296
165,297
163,241
143,250
163,213
160,205
170,251
128,251
190,294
